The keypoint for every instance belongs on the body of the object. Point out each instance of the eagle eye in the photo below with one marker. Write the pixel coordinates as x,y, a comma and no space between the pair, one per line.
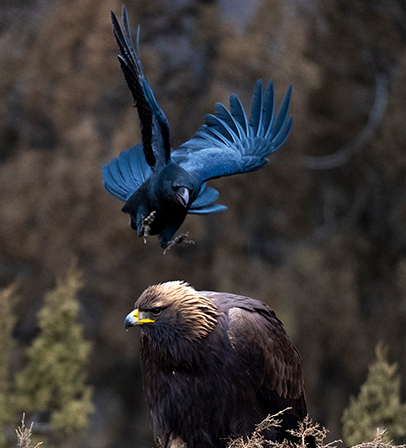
156,311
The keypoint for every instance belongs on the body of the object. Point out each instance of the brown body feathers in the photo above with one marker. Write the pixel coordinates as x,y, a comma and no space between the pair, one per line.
214,365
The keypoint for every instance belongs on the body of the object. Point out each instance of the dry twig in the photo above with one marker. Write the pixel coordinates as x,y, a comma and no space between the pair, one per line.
24,435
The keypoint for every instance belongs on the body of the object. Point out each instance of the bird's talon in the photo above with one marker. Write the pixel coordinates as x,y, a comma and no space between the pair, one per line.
178,240
146,225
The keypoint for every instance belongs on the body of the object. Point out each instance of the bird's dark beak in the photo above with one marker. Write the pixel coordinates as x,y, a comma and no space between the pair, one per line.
182,196
137,318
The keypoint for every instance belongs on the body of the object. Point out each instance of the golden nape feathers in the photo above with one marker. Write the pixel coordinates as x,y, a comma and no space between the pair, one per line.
195,314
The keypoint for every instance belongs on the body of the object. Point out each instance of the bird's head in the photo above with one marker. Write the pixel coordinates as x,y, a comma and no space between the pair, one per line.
181,195
175,184
173,310
183,189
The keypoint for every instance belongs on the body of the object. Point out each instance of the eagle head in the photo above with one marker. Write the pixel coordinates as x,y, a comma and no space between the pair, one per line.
173,310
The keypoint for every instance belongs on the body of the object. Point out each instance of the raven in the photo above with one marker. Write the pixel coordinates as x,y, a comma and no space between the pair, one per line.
214,365
160,186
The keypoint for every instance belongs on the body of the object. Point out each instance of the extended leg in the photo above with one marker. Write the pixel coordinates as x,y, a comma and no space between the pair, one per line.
178,240
146,225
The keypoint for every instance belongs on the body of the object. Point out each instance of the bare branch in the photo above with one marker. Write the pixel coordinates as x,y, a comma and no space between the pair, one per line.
379,441
356,146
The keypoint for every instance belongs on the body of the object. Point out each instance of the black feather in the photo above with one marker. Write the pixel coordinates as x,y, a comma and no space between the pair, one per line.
228,143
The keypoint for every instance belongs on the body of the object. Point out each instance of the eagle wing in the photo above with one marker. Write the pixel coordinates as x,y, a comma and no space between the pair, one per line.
272,362
259,338
264,351
228,143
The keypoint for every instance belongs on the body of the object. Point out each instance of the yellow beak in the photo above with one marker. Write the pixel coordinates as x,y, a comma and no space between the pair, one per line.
137,317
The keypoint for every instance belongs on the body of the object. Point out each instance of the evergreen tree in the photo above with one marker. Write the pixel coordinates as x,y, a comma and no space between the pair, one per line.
53,380
377,405
7,321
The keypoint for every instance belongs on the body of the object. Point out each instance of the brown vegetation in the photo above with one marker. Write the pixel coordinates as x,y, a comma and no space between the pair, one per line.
325,248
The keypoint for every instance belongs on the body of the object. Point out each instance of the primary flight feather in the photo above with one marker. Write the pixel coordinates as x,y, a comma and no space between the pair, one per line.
160,186
215,365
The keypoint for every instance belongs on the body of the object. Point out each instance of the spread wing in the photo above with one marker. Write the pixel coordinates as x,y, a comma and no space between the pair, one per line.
154,125
228,143
126,173
204,203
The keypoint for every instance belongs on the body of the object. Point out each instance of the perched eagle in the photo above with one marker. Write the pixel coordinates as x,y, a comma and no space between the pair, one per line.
160,186
215,365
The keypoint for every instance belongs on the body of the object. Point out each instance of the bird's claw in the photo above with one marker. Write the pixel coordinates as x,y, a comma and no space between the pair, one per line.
146,225
178,240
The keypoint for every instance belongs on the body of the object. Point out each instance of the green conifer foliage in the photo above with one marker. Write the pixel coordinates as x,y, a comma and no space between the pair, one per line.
54,378
377,405
7,321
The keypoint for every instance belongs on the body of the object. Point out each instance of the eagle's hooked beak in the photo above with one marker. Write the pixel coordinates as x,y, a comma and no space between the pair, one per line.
182,196
137,318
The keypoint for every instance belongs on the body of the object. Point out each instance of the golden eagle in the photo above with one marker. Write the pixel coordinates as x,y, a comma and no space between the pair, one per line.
215,365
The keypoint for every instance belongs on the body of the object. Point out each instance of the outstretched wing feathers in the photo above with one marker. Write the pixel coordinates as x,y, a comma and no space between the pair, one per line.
126,173
204,203
133,72
228,143
149,95
207,195
151,116
282,135
255,121
219,129
269,107
234,128
237,111
112,185
207,210
283,122
126,25
134,166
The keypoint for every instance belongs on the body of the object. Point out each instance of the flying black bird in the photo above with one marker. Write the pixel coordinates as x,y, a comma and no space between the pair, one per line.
215,365
161,186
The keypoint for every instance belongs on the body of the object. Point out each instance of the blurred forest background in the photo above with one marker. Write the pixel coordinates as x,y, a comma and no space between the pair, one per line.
321,240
